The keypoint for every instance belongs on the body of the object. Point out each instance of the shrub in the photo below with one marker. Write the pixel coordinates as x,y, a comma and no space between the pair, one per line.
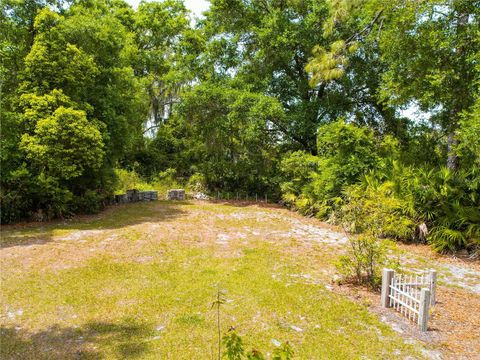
346,152
314,184
15,202
51,199
298,169
129,180
166,180
364,261
449,202
37,198
374,208
234,349
90,203
197,183
80,148
393,201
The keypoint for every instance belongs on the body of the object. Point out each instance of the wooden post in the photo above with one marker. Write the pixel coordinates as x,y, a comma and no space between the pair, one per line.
387,276
266,198
423,312
256,197
433,286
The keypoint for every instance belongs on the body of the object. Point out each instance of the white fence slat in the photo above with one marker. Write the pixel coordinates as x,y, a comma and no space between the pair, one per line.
410,295
410,301
398,291
403,305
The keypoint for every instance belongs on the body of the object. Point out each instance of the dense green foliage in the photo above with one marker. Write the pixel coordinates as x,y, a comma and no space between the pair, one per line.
309,101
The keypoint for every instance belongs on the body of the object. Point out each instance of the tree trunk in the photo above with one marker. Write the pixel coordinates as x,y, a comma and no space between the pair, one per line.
452,160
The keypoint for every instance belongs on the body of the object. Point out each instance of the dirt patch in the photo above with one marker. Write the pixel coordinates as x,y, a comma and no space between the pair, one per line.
80,235
453,325
456,320
453,271
312,233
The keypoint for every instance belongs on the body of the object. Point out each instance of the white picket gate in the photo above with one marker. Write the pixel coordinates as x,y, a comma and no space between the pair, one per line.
410,295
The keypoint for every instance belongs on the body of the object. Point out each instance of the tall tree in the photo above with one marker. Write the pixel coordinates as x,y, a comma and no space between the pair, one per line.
74,107
266,46
429,50
167,55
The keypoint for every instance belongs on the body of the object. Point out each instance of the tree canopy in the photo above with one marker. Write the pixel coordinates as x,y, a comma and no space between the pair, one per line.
311,102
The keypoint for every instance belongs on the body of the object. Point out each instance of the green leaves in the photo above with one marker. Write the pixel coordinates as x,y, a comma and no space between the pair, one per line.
468,146
233,345
64,144
325,65
234,349
364,261
235,133
314,183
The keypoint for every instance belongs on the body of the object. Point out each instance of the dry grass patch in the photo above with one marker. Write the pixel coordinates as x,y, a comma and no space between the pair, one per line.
139,281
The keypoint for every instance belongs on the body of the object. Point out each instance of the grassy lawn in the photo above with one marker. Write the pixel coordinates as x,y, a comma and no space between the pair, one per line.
138,282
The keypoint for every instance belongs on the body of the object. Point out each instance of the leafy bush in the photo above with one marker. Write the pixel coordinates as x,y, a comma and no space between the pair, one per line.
129,180
313,184
167,177
449,203
298,169
234,349
363,185
15,202
166,180
197,183
373,207
346,151
364,261
90,203
50,199
455,219
393,202
80,148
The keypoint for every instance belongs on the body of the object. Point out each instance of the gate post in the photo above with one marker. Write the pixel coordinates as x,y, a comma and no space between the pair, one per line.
423,311
433,286
387,276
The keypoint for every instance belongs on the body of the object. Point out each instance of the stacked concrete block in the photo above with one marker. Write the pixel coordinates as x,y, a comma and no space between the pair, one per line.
134,195
121,199
176,194
148,195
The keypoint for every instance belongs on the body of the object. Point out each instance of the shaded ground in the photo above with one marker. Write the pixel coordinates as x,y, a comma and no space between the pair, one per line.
137,281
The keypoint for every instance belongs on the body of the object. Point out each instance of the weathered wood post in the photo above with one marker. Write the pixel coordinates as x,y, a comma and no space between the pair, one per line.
423,311
266,198
387,276
433,286
256,197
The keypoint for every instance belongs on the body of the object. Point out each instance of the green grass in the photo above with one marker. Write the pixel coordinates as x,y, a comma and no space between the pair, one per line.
148,293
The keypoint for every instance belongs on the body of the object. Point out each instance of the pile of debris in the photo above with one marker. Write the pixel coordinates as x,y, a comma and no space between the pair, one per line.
135,195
